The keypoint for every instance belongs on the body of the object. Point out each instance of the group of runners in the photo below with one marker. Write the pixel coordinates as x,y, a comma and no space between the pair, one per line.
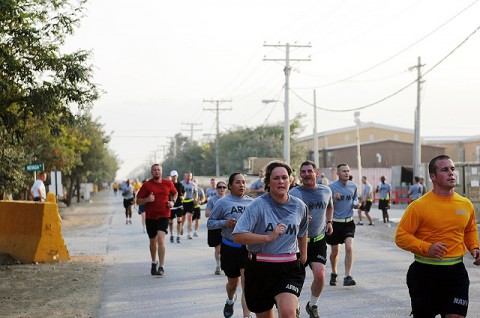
264,244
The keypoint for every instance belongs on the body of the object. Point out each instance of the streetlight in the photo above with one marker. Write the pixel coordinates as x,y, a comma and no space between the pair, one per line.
286,129
356,119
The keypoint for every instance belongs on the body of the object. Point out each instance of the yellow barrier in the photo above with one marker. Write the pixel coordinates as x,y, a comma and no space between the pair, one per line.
31,231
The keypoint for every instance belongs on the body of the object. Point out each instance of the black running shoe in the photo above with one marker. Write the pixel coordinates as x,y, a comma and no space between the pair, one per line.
333,279
348,281
312,311
228,310
160,271
153,271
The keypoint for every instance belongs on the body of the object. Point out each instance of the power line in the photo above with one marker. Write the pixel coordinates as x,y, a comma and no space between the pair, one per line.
396,92
396,54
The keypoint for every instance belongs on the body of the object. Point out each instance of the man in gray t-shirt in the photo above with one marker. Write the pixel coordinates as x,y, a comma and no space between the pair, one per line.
345,199
318,198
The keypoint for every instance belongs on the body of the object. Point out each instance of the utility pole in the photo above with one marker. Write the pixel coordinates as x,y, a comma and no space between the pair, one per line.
217,109
192,125
287,70
315,132
417,146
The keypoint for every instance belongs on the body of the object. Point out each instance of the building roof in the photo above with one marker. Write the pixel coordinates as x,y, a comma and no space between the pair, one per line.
354,127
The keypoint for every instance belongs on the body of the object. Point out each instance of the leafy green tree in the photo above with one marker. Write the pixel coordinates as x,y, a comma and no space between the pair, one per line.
235,147
97,163
39,82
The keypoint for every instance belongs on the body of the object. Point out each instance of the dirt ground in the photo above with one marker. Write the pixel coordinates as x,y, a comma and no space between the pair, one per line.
61,289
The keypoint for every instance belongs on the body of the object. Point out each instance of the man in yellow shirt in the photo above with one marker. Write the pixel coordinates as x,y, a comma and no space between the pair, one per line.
438,228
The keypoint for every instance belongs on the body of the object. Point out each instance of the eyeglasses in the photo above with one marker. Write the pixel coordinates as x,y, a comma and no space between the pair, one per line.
221,187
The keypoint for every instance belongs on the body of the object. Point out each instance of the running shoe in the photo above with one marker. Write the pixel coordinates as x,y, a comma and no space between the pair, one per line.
181,231
228,310
172,239
130,221
126,222
312,311
359,223
218,271
178,239
333,279
297,312
160,271
195,234
348,281
153,271
372,224
189,237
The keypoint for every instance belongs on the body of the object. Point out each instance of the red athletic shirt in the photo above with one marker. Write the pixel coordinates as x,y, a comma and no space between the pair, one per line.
162,191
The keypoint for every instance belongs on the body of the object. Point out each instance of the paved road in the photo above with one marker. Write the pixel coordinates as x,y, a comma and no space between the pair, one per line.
190,289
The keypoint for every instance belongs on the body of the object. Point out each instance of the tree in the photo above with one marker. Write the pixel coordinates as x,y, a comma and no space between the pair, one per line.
235,147
39,82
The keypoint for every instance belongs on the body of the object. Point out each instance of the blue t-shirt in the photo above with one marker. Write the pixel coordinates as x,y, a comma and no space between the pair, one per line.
343,207
317,200
228,207
210,192
367,192
264,214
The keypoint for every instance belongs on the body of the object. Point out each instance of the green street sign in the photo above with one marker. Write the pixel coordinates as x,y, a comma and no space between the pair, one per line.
34,167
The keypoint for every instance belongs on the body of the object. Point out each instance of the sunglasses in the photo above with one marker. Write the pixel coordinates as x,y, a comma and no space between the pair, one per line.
221,187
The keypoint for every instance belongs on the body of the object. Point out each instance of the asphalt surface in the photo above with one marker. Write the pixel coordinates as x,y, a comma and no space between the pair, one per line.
189,287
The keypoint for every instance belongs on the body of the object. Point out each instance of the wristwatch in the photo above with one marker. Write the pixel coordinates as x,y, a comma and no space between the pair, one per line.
329,222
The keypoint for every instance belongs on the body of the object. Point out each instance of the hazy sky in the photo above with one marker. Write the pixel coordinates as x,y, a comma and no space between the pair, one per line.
158,60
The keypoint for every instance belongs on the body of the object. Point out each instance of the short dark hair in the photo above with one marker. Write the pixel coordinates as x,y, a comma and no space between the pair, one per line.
308,163
432,166
268,172
417,179
341,165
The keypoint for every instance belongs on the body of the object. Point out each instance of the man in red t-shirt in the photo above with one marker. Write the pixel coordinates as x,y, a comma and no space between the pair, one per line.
159,196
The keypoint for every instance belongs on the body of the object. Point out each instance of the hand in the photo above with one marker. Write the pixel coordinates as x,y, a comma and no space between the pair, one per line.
277,231
437,250
170,204
329,229
151,197
336,196
476,256
231,223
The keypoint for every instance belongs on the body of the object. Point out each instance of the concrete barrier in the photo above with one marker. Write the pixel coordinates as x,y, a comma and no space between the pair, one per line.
31,232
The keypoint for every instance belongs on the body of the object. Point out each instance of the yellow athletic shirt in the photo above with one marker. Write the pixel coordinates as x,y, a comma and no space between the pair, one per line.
432,218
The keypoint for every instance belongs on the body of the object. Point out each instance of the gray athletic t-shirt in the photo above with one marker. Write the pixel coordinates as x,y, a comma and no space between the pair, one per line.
383,189
317,200
264,214
228,207
343,208
190,190
212,201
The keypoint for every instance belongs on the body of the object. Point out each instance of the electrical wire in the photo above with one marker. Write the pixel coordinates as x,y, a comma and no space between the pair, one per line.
396,54
398,91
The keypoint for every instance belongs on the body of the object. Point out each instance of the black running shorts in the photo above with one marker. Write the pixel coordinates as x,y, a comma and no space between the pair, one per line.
196,214
188,207
340,232
264,281
154,226
438,289
232,259
176,213
214,237
317,252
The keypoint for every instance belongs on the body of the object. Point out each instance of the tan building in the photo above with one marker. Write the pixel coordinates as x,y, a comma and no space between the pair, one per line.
381,146
460,149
